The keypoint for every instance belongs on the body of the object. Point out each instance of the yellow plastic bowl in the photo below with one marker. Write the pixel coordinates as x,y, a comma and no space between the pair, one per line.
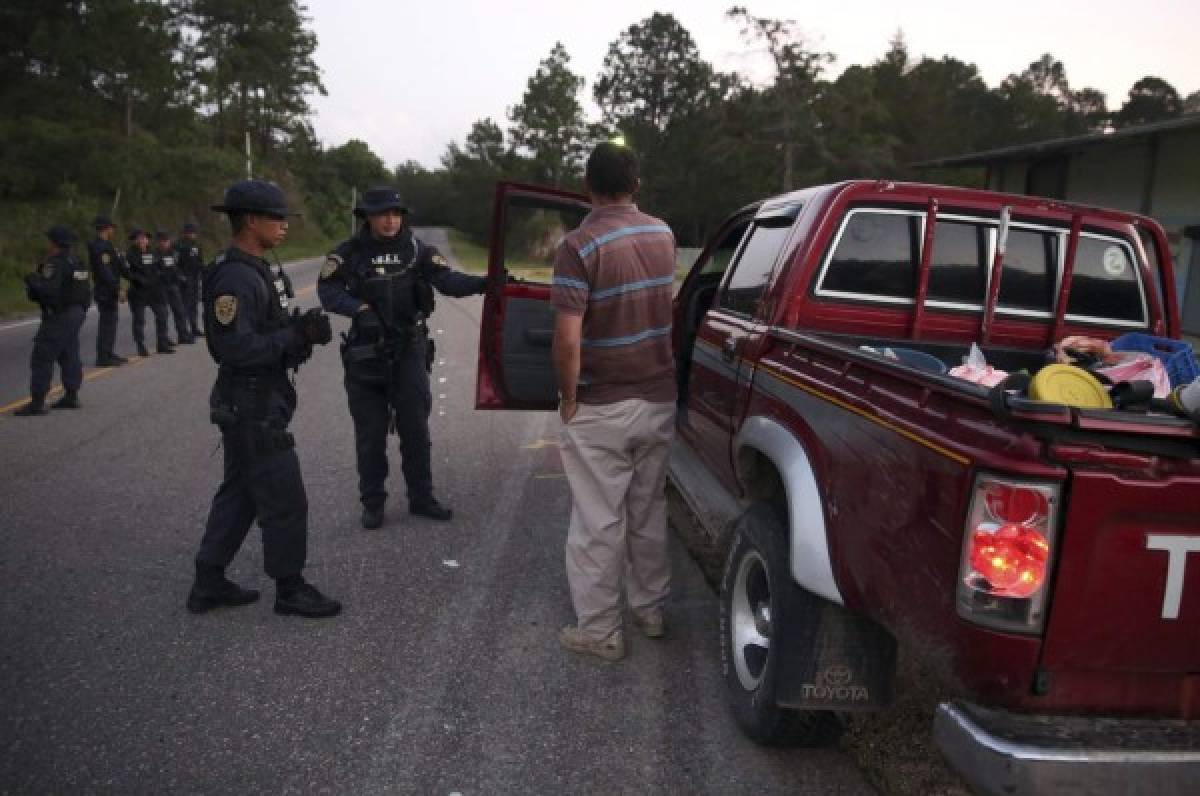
1069,385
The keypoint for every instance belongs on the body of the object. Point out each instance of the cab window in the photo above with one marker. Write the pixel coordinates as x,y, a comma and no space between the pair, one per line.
752,272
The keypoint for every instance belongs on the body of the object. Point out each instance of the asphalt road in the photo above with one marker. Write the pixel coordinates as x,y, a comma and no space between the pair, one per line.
443,675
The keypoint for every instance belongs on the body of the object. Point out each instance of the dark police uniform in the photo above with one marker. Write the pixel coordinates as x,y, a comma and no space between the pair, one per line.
172,284
386,359
105,263
255,343
62,288
191,266
146,290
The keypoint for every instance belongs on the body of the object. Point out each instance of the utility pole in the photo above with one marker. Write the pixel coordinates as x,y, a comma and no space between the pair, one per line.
249,164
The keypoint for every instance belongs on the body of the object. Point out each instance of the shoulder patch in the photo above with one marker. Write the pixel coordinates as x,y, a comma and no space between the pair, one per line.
225,308
332,263
439,260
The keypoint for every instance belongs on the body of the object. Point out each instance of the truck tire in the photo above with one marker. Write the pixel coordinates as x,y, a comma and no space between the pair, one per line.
759,599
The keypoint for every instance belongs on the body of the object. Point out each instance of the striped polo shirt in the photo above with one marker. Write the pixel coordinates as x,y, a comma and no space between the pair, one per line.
617,271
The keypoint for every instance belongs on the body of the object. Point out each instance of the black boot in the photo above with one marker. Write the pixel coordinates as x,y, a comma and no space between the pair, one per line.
166,349
142,352
372,517
212,590
429,507
70,400
32,409
295,596
116,360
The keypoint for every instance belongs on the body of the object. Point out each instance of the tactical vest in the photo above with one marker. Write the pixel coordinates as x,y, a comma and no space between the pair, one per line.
269,293
168,268
79,291
390,281
141,264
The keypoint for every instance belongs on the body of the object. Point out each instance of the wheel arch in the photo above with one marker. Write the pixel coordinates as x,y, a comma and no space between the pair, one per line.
773,466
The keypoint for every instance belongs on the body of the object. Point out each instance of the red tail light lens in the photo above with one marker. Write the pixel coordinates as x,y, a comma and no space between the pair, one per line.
1019,504
1007,549
1011,560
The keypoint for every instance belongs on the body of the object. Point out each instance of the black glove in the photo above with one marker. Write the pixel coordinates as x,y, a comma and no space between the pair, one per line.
313,326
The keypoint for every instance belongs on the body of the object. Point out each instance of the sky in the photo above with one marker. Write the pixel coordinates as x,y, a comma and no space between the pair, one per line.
409,78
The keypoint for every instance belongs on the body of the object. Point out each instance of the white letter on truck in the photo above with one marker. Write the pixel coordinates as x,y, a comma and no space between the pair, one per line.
1177,549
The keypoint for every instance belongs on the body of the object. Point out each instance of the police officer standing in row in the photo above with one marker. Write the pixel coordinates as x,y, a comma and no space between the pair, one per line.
191,264
60,285
383,278
172,285
105,263
254,343
145,290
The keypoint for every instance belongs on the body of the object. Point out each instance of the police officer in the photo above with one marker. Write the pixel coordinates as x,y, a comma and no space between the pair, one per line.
191,265
145,290
382,278
255,342
60,285
106,266
172,285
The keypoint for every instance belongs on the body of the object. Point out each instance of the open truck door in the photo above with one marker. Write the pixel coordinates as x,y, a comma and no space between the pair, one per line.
515,369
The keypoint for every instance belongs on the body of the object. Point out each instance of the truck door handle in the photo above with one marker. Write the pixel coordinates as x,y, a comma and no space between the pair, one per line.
729,348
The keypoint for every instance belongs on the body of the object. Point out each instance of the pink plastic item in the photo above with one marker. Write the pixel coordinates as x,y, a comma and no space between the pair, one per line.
1139,367
979,374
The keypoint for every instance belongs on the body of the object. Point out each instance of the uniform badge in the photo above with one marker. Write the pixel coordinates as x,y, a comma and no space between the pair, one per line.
104,258
332,263
439,260
225,308
381,270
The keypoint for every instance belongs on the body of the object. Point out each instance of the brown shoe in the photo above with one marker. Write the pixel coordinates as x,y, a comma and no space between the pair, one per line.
652,626
611,649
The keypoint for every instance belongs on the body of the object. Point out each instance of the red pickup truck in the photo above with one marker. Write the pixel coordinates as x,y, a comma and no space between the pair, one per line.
1035,554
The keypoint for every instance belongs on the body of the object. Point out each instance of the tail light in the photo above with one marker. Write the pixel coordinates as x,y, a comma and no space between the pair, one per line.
1006,553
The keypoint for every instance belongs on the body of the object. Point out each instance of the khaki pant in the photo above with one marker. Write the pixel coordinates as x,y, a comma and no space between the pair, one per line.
615,458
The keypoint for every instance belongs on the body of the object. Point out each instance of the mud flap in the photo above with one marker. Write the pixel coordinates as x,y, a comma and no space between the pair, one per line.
833,659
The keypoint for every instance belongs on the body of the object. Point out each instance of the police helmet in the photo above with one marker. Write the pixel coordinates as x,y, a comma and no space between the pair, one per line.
378,199
102,222
259,197
162,235
190,227
136,233
60,235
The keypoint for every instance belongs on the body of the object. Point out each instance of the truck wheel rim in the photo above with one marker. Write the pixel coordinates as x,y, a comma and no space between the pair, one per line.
750,624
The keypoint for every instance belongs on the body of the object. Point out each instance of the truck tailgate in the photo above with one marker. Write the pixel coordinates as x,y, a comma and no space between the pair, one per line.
1127,591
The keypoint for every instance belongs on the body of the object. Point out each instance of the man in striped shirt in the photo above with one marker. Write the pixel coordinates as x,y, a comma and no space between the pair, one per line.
612,292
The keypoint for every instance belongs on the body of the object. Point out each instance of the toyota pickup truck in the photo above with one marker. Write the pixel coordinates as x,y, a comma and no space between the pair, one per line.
1037,555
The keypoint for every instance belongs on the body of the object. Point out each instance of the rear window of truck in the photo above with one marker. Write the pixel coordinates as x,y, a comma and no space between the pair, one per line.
876,255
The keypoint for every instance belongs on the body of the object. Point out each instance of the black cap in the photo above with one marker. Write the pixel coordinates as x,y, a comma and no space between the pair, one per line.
377,199
190,227
161,235
136,232
60,235
254,196
102,222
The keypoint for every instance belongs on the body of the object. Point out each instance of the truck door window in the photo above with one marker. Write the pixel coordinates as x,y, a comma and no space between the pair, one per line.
752,272
1105,285
958,270
1028,283
875,257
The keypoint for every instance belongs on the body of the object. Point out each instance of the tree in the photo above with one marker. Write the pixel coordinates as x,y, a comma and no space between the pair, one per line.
652,75
253,61
797,85
1151,99
548,124
1192,103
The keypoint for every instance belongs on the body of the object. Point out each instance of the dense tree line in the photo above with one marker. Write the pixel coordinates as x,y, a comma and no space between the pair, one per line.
713,141
144,107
